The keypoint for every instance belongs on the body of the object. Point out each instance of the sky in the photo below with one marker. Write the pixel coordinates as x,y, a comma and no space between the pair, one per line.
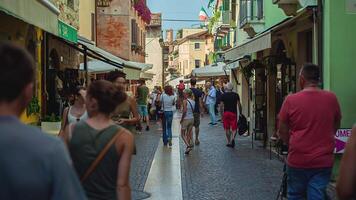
178,9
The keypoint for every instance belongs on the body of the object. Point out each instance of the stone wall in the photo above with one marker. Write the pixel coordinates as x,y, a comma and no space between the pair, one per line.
69,11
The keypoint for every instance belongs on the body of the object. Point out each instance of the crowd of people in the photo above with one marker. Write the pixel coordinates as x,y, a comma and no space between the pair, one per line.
98,132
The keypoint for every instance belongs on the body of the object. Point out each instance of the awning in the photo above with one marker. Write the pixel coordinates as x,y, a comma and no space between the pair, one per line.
175,81
40,13
218,69
98,67
147,75
258,43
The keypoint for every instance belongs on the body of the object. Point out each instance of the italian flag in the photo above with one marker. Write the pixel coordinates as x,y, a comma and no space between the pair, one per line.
203,16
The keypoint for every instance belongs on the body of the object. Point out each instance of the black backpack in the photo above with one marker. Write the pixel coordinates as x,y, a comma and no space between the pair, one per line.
242,124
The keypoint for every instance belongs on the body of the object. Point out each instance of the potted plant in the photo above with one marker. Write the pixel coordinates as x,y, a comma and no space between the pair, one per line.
51,124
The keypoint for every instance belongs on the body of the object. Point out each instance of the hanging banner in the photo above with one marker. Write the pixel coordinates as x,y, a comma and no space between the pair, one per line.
341,137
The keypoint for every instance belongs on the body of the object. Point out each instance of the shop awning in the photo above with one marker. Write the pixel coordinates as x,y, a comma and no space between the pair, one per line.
146,75
213,70
98,67
40,13
131,69
258,43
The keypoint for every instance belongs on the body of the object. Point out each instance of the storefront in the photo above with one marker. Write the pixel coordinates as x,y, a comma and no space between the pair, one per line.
22,22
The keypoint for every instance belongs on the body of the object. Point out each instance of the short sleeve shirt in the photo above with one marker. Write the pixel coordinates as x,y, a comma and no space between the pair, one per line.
310,116
142,94
197,95
230,100
37,167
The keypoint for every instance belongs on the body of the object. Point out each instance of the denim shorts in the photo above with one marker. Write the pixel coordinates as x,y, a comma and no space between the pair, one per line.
142,110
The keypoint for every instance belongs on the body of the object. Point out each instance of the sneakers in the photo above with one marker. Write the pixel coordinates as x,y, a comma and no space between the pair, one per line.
170,142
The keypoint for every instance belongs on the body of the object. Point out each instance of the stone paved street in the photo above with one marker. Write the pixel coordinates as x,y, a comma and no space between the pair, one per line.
211,171
146,145
214,171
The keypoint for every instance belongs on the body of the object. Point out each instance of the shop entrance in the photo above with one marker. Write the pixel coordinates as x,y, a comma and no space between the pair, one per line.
53,84
285,71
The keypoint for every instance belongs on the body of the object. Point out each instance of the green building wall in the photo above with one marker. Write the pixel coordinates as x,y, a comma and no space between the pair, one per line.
339,61
273,14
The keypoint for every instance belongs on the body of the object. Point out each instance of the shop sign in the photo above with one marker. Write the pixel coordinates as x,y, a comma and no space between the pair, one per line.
341,137
67,32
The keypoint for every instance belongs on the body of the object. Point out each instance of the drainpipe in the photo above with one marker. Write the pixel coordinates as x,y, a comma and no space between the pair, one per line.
320,41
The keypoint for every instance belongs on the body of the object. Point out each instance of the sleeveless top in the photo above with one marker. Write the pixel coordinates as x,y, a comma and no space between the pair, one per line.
190,109
123,110
72,119
84,146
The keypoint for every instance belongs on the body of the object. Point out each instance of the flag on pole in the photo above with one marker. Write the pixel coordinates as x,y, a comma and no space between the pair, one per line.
203,16
210,3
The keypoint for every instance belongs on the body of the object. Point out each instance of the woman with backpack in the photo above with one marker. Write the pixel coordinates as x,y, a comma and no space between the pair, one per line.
187,120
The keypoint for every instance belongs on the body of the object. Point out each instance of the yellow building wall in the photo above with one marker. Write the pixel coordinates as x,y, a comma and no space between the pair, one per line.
86,8
38,83
17,31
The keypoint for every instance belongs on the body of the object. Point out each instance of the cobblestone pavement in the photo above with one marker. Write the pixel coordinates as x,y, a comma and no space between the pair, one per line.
214,171
146,145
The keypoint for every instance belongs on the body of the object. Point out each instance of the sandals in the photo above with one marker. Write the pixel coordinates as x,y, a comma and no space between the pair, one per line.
187,150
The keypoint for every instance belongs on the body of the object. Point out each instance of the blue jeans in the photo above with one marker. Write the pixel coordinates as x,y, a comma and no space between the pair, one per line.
212,113
167,126
307,183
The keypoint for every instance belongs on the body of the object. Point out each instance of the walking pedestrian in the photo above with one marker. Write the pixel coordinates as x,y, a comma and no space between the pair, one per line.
219,106
152,104
232,108
76,112
210,102
180,88
187,120
142,95
34,165
126,113
100,149
308,121
168,102
346,183
198,97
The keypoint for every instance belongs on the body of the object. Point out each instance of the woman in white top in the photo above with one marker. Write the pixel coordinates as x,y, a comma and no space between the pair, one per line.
76,112
187,120
168,102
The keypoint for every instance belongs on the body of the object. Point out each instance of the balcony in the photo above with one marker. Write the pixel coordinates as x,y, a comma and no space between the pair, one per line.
290,7
251,16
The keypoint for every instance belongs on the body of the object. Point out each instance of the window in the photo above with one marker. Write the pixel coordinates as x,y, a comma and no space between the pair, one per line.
133,32
196,45
259,9
197,63
93,27
70,4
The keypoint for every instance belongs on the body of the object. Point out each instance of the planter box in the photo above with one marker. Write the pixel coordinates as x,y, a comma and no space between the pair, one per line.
51,127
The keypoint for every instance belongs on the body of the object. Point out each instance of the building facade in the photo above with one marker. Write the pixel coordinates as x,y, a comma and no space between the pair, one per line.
121,28
154,50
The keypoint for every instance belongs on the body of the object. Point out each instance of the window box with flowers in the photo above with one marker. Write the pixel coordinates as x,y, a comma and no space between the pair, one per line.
142,10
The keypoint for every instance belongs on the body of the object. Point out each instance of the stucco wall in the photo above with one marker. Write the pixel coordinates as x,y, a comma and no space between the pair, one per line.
86,9
154,56
114,29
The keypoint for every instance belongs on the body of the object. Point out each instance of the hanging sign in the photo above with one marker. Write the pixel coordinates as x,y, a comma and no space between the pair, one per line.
341,137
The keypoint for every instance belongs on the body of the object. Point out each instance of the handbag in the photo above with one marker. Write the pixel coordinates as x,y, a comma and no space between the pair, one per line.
100,157
242,125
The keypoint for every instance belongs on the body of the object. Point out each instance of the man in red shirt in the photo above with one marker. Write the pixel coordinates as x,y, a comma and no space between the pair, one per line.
308,122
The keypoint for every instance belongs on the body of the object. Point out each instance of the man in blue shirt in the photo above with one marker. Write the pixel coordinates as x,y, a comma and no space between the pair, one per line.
210,102
33,165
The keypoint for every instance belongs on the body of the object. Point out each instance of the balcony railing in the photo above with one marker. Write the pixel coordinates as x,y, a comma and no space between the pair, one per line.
250,10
